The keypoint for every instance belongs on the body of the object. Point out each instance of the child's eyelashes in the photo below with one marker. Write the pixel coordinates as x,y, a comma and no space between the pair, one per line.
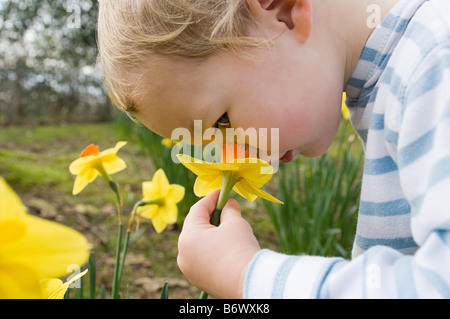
223,122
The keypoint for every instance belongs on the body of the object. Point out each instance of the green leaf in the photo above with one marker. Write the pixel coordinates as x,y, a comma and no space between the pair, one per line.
92,275
165,291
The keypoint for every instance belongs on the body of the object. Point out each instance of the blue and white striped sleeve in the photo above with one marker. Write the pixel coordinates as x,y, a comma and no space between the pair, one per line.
423,150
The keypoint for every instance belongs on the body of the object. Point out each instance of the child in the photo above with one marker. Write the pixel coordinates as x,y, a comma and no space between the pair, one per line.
284,64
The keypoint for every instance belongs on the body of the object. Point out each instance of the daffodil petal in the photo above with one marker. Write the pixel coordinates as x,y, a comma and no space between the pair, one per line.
81,163
56,289
113,164
248,191
160,180
198,167
11,207
159,224
76,277
19,281
169,213
257,174
244,192
150,191
149,211
49,248
113,150
345,111
12,230
52,286
206,184
157,188
119,145
175,194
81,181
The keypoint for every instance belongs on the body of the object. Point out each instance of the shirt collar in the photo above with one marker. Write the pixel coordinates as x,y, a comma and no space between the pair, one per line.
378,50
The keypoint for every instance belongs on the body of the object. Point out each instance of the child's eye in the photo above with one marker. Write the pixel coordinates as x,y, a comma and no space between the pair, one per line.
223,122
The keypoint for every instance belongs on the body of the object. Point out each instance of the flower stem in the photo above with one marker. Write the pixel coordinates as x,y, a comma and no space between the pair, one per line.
124,256
127,239
229,179
203,295
92,276
115,289
115,187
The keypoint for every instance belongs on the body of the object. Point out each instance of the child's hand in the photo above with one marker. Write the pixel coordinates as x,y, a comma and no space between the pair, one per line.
215,259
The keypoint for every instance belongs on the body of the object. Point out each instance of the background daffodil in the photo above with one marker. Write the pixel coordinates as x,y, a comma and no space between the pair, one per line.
93,163
32,248
55,289
345,111
160,199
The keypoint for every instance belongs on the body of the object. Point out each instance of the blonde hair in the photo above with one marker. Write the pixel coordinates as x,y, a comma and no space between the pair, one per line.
129,31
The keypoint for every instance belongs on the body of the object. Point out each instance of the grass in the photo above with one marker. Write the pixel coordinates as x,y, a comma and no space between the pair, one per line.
321,197
35,161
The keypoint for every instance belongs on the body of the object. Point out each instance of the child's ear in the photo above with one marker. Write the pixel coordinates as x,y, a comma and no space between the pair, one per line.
293,14
302,18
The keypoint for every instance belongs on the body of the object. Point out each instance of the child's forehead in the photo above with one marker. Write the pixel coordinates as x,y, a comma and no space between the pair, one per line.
191,89
160,76
166,97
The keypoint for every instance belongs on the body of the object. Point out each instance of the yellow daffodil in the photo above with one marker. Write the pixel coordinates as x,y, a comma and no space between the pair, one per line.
345,111
32,248
167,142
160,201
55,288
247,176
93,163
239,170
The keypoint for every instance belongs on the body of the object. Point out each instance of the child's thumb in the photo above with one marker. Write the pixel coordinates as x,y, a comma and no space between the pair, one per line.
231,210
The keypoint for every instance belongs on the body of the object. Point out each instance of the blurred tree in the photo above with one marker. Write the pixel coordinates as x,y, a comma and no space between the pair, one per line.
48,69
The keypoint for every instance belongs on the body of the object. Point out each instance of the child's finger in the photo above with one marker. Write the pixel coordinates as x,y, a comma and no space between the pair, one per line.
231,210
201,212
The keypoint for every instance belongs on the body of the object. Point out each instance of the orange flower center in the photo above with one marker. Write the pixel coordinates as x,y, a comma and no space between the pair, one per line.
232,151
90,150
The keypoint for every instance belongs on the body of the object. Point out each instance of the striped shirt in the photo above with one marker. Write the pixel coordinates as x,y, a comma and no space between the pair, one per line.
399,100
